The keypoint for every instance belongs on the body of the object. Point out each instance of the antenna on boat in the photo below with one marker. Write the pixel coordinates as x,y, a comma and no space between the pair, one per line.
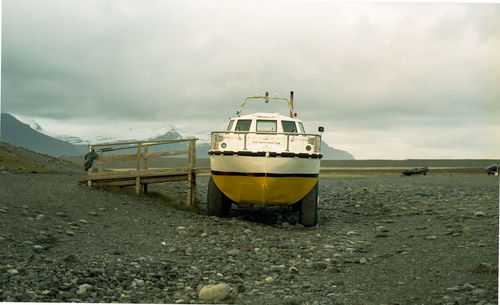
291,104
255,81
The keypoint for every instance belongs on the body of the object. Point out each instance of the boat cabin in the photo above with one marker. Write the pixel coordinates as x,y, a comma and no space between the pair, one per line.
266,134
266,122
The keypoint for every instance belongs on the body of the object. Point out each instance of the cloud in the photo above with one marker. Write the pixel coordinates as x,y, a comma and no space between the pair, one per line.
358,66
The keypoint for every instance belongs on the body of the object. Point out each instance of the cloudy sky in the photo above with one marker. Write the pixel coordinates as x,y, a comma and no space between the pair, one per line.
387,80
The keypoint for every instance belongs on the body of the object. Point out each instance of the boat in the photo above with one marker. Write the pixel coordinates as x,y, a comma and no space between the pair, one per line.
265,159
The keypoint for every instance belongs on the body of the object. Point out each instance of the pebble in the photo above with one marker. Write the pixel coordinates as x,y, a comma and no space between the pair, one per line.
291,300
214,292
453,289
13,271
38,248
233,252
272,273
478,291
468,287
70,233
431,237
82,289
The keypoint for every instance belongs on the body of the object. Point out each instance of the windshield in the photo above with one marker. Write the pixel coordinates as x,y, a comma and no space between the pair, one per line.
243,125
230,126
289,126
266,126
302,130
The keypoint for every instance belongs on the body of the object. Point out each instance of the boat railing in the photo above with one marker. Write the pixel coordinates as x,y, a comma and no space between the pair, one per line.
265,141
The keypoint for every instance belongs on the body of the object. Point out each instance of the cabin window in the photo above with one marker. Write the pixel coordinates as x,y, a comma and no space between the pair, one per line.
230,126
266,126
289,126
302,130
243,125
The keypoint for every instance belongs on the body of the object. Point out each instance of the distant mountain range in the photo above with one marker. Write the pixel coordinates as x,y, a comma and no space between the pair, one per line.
18,133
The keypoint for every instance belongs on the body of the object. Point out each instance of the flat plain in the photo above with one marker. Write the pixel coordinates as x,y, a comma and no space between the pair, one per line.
382,238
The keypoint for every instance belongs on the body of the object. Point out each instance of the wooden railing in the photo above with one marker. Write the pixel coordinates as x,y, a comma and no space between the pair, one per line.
142,175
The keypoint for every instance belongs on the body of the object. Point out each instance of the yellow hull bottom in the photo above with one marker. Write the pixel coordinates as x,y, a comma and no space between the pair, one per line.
281,191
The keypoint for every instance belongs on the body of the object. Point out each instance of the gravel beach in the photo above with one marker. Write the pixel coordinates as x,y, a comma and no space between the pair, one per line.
380,240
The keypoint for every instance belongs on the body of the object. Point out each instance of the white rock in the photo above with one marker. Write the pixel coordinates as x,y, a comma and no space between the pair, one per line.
214,292
82,289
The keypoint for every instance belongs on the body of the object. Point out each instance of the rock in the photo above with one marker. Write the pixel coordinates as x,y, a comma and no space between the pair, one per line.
453,289
13,271
478,291
479,214
319,266
71,258
38,248
484,268
233,252
290,300
214,292
246,248
431,237
363,260
70,233
82,289
468,287
137,283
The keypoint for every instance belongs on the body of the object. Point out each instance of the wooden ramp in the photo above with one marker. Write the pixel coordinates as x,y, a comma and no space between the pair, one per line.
142,175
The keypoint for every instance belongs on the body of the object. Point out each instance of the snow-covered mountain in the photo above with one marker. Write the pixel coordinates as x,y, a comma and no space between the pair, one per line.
62,144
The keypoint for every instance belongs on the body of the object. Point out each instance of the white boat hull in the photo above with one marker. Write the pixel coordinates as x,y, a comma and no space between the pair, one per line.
264,180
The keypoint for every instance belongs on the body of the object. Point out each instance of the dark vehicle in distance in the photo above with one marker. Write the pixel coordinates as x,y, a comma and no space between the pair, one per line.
492,169
415,171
